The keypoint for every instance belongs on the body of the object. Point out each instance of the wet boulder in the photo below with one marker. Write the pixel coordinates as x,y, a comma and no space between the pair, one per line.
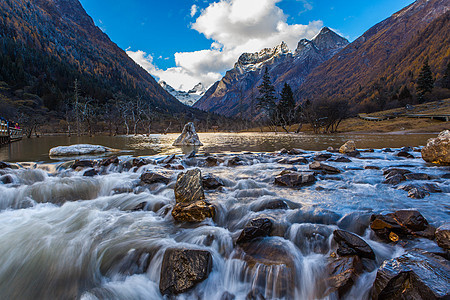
437,149
188,187
371,168
188,137
343,272
293,161
322,157
4,165
443,236
90,173
6,179
356,222
318,166
168,159
83,164
417,193
227,296
351,244
152,177
283,151
414,275
234,161
417,176
395,179
211,182
401,223
294,179
182,269
348,147
196,211
294,151
341,159
113,160
139,162
269,204
212,161
256,228
404,154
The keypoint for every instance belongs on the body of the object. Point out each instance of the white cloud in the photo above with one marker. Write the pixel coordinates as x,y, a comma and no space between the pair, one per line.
235,27
194,9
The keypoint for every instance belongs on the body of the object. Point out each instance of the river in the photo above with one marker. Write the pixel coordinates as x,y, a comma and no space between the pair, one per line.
67,236
36,149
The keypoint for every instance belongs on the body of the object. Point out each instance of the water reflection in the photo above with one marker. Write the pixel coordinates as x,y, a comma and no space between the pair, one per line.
36,149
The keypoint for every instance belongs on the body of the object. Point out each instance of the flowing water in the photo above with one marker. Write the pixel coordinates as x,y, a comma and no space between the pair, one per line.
67,236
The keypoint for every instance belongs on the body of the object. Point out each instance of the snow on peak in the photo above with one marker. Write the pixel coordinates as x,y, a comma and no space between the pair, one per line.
187,98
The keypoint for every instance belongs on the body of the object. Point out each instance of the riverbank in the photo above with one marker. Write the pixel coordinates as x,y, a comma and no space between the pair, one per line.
271,224
390,121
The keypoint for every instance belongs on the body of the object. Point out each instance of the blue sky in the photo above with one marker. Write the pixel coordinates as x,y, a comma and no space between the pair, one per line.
185,42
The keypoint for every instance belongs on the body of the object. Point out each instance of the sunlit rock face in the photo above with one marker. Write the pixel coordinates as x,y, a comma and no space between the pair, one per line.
437,150
188,137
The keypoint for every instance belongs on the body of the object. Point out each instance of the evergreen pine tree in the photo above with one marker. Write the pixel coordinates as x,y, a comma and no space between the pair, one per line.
425,80
286,106
266,101
446,79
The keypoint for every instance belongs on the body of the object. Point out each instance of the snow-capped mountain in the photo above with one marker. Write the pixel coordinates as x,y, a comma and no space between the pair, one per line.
233,94
189,97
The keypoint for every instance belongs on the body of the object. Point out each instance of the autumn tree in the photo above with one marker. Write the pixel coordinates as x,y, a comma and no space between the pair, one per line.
425,80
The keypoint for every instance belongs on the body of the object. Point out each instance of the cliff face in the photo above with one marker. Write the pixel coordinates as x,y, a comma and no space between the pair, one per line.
235,94
47,44
386,57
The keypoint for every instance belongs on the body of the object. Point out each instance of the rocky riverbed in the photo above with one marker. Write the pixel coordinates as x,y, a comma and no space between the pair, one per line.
295,224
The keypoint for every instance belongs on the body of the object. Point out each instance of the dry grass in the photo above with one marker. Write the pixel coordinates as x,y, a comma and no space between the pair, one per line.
400,124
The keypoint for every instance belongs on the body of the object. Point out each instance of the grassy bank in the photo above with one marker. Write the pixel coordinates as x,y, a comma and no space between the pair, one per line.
397,121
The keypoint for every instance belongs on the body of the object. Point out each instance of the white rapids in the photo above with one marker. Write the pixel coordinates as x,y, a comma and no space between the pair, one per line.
64,235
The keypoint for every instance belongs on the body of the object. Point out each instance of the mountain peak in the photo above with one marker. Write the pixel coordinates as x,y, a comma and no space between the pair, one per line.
328,39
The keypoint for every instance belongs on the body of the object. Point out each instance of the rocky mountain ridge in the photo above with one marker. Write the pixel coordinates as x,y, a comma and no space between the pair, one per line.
188,98
235,94
47,44
371,70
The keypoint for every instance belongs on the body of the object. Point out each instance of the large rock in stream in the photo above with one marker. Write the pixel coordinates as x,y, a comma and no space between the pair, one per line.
191,204
443,236
348,147
414,275
188,187
351,244
294,179
256,228
437,150
343,272
188,137
182,269
79,149
391,227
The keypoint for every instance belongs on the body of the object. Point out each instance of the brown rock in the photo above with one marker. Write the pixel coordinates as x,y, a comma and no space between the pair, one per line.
417,176
113,160
414,275
404,154
151,177
443,236
349,146
188,187
294,179
90,173
256,228
193,212
83,164
211,183
322,157
417,193
437,150
351,244
343,273
323,167
182,269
